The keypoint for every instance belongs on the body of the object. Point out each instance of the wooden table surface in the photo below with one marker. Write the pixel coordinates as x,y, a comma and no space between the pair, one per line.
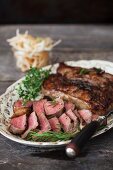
78,42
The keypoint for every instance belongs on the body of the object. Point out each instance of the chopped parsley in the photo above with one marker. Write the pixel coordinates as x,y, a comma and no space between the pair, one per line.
30,87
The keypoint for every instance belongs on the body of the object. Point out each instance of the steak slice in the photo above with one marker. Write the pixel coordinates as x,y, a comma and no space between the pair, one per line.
20,109
18,124
19,103
32,124
65,123
38,107
54,107
86,115
92,90
55,124
74,118
69,105
71,115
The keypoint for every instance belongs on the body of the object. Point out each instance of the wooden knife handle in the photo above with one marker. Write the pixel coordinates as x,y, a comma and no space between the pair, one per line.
77,143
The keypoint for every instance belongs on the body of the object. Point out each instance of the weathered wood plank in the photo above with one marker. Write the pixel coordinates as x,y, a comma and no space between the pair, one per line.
77,37
98,154
8,70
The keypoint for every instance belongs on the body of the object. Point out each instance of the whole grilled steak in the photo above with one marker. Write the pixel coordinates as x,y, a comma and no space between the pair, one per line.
88,88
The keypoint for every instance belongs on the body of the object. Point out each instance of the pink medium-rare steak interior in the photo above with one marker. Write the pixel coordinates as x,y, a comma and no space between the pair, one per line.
55,124
38,107
32,124
18,124
53,107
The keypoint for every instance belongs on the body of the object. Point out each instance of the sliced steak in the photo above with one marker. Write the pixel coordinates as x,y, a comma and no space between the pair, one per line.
55,124
18,124
90,89
65,123
69,105
32,124
56,86
77,114
19,103
74,118
71,115
53,107
20,109
38,107
86,115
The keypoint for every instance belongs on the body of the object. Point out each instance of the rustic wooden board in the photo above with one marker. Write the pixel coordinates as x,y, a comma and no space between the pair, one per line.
9,72
78,37
79,42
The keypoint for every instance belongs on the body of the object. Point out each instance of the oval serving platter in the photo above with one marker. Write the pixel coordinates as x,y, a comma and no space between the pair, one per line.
10,96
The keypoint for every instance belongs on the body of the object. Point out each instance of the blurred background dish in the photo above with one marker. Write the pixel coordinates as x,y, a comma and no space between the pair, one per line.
31,51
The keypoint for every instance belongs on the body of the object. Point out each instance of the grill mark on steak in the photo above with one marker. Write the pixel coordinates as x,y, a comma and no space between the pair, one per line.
79,83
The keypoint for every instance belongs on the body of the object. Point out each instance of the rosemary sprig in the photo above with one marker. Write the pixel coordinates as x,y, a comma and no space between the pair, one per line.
49,136
83,71
30,87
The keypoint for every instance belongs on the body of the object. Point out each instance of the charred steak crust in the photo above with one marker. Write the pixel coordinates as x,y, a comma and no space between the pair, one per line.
94,76
95,87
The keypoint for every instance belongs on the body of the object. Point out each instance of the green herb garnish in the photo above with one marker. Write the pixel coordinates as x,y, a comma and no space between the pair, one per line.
99,70
30,87
83,71
49,136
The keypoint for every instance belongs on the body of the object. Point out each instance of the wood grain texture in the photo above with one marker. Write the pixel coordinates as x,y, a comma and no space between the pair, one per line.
79,42
9,72
85,38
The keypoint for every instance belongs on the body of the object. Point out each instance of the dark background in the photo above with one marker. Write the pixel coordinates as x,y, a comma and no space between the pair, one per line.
56,11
